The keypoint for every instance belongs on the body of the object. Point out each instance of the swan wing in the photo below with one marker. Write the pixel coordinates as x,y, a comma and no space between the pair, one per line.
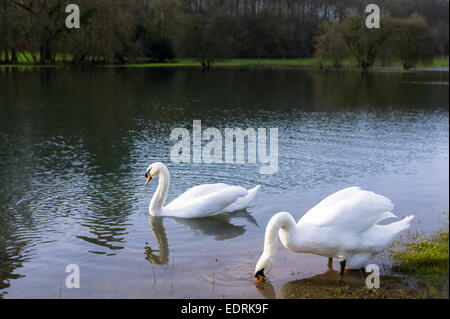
242,202
357,211
331,200
194,192
209,204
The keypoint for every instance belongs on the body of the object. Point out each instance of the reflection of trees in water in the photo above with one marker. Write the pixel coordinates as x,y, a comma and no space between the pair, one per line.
325,285
219,227
107,227
106,233
17,232
17,224
14,250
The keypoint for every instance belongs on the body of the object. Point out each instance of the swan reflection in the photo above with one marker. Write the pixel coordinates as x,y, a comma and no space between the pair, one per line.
324,285
219,227
158,256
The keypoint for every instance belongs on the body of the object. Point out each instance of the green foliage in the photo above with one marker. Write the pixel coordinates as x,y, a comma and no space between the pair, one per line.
427,260
364,44
330,45
406,40
125,31
412,41
204,36
161,49
426,255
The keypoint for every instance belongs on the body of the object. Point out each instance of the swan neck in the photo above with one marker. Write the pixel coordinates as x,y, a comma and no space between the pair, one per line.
279,221
160,195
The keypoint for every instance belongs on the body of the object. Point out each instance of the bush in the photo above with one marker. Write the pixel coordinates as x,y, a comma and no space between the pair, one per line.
330,45
412,41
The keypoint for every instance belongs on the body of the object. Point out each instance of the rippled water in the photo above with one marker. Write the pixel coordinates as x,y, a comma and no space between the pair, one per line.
75,143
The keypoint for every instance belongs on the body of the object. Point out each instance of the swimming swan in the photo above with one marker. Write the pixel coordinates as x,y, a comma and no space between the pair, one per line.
343,225
199,201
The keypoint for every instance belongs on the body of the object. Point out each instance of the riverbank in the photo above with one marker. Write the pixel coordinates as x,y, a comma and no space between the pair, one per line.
418,269
437,63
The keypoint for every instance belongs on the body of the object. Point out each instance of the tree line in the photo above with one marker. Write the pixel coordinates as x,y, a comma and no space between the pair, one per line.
408,40
121,31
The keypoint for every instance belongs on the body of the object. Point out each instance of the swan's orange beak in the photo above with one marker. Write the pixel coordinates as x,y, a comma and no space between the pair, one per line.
149,178
259,278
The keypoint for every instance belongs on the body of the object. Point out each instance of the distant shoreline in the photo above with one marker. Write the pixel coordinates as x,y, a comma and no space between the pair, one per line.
440,64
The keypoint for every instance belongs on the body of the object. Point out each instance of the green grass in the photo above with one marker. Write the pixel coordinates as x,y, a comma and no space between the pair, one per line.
250,62
427,261
419,269
25,59
436,62
429,255
279,62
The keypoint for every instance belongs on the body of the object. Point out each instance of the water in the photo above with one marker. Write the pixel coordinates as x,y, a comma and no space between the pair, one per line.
75,143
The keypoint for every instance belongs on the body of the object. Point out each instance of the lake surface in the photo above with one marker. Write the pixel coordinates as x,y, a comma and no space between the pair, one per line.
75,144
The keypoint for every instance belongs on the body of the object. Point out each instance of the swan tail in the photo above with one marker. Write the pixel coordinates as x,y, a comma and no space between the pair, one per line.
385,215
402,225
252,193
392,231
242,202
379,237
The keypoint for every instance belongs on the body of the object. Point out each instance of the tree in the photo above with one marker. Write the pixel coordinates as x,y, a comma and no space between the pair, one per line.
330,45
121,31
47,24
363,43
204,36
412,41
156,28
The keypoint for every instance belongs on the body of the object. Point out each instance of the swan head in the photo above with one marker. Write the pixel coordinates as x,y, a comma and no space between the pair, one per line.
153,170
263,266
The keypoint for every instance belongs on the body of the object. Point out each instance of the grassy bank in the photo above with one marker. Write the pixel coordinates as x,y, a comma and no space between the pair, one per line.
416,269
252,62
427,261
273,63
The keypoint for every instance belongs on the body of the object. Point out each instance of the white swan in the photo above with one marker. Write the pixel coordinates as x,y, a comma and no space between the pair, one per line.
343,225
199,201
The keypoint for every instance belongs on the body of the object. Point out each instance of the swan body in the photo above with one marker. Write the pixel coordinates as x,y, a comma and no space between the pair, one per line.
344,225
199,201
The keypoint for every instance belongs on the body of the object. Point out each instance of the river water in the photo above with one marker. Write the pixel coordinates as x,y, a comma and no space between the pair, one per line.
75,144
